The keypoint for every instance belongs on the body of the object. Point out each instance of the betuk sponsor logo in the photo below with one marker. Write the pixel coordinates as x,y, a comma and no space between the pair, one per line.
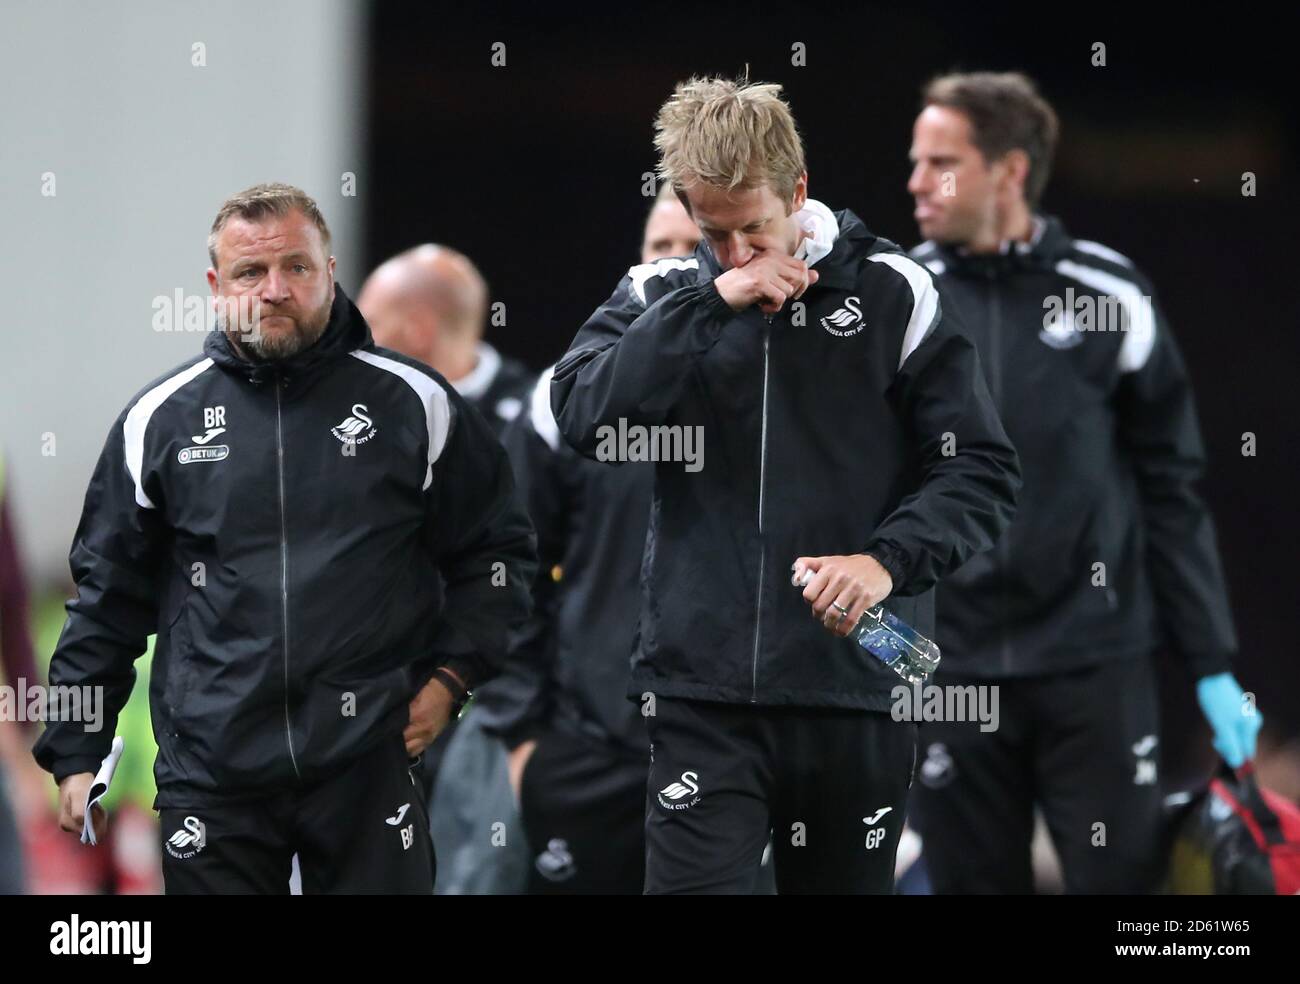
948,703
214,423
660,442
22,703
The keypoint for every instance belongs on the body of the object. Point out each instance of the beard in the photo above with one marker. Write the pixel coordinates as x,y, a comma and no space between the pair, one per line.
292,332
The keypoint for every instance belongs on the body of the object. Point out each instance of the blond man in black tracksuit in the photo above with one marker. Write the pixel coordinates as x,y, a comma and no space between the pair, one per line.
819,367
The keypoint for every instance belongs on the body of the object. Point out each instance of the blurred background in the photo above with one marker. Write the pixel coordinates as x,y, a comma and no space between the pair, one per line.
124,126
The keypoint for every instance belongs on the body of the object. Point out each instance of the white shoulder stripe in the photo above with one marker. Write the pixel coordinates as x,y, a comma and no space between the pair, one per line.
644,271
1105,252
1140,338
925,301
540,414
137,422
437,408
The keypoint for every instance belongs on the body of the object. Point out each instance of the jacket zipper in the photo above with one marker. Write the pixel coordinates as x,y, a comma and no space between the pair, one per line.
762,546
284,570
995,374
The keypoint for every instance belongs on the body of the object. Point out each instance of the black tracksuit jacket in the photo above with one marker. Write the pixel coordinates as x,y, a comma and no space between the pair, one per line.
309,540
855,421
568,669
1096,399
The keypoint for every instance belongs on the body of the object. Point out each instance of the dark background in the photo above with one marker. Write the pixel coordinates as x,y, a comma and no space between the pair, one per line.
535,170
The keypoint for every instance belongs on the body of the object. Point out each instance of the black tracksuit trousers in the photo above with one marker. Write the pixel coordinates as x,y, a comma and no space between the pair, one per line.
361,831
1083,747
829,786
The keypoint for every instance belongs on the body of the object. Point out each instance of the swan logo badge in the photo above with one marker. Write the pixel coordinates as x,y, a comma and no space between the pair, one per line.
937,770
356,427
671,797
1059,332
846,320
556,862
189,840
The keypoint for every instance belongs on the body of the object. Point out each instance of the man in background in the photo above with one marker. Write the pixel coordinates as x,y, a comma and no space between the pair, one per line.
669,228
578,750
1112,551
17,667
431,303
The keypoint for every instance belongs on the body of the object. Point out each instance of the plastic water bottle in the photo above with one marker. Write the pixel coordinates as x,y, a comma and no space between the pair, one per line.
892,641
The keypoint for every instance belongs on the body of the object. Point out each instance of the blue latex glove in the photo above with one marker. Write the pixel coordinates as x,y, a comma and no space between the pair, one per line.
1234,719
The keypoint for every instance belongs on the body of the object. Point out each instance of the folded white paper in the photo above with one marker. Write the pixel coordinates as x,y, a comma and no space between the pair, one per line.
99,787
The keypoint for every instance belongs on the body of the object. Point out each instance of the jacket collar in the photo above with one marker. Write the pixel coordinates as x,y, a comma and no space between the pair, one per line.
834,245
345,332
479,380
821,229
1048,244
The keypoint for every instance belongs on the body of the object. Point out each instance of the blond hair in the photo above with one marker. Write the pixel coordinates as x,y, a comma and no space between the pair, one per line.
264,200
729,134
